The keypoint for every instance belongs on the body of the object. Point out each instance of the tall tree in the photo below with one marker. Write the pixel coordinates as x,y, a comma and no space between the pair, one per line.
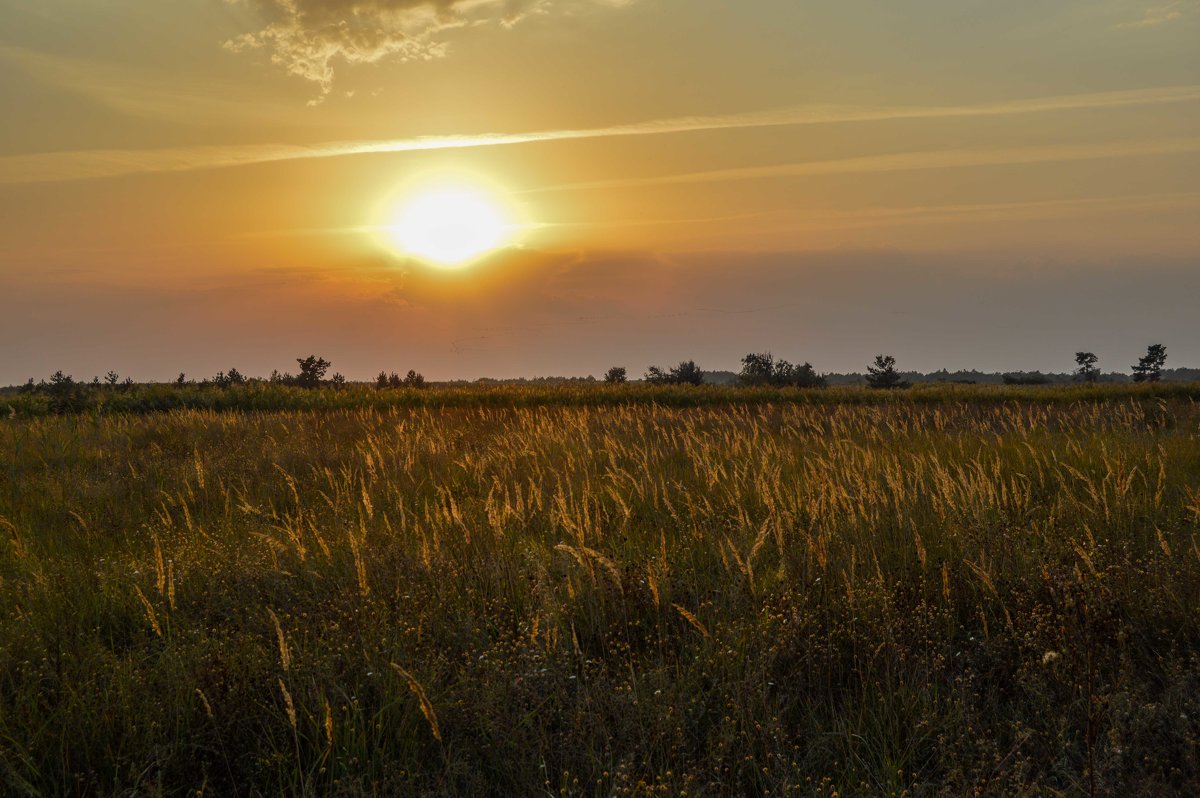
312,371
883,373
1149,367
1087,370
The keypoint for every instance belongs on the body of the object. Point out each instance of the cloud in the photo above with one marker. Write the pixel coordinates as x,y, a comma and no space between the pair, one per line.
1155,16
145,93
875,217
905,162
93,164
307,37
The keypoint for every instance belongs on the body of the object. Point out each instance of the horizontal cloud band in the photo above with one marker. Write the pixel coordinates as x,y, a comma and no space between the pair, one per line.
92,164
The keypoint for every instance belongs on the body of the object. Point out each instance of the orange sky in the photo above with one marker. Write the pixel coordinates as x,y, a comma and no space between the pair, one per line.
194,185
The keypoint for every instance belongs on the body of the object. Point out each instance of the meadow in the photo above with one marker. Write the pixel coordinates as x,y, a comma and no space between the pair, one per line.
602,591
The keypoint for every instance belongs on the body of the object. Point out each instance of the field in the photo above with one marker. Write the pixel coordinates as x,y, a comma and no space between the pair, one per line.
935,592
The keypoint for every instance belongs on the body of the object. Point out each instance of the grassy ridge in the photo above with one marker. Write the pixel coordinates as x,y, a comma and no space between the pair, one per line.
272,397
918,592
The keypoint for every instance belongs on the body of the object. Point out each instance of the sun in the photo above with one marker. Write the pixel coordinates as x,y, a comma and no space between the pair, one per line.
450,225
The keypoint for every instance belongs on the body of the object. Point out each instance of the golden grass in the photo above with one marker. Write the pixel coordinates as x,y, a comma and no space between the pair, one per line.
939,597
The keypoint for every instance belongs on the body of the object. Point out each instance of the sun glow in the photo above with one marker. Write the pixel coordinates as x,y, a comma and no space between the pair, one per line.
450,225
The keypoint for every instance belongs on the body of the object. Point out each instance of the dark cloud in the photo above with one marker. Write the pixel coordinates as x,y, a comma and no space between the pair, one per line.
308,37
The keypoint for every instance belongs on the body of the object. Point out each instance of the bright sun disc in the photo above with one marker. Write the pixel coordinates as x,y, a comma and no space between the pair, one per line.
450,226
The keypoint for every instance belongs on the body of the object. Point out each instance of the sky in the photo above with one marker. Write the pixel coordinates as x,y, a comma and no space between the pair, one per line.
194,185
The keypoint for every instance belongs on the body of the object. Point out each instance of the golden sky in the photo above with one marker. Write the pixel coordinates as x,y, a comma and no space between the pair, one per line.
190,185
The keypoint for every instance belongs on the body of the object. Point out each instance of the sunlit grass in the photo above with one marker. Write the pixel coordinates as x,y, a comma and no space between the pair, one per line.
971,592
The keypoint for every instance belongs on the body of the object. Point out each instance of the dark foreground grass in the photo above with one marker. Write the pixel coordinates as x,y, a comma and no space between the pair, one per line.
898,597
81,398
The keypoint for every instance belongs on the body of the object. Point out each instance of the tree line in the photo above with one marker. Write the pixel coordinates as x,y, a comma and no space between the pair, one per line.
311,373
759,369
762,369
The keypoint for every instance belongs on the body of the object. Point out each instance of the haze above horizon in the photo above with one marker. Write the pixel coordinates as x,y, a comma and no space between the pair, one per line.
491,188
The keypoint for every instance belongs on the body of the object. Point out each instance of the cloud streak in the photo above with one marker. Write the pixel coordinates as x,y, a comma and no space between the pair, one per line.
904,162
145,93
93,164
807,218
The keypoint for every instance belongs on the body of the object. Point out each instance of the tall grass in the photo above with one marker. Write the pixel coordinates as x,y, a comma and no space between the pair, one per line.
880,597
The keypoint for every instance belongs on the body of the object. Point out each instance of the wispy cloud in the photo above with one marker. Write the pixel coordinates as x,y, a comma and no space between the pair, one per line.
903,162
1027,209
1157,15
807,218
144,93
90,164
307,37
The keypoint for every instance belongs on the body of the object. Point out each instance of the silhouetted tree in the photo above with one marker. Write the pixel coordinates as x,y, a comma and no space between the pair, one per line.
414,380
615,375
181,380
687,373
764,369
65,394
312,371
656,376
1149,367
806,376
111,379
1087,370
883,373
382,380
60,382
236,377
757,369
337,380
394,381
